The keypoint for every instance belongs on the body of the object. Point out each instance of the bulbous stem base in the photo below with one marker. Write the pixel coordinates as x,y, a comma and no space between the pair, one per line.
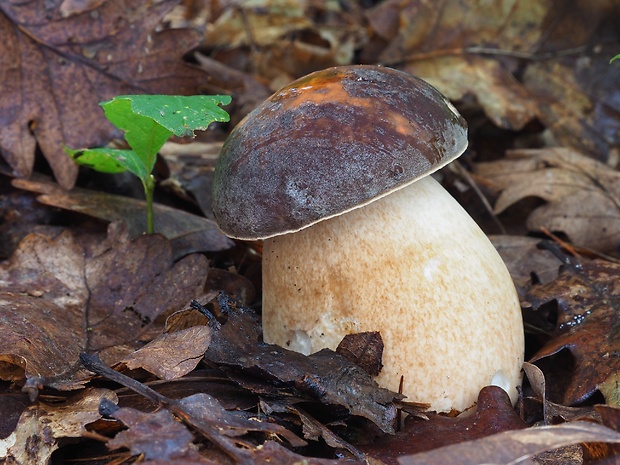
414,266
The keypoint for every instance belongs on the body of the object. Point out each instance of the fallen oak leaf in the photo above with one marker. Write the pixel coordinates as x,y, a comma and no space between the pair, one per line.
59,297
177,225
582,194
56,68
511,447
588,300
212,421
494,413
171,355
41,426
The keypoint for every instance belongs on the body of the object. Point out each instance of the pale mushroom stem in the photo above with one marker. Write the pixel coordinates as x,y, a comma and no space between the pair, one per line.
414,266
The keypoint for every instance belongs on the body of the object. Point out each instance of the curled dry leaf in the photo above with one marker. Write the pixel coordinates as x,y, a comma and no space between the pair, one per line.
588,299
512,447
173,439
494,413
59,297
41,426
172,355
582,195
55,68
363,349
553,412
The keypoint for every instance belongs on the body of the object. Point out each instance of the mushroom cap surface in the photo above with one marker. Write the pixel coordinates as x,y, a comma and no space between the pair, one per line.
328,143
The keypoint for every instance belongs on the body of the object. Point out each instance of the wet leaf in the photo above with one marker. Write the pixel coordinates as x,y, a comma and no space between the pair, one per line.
494,413
588,301
526,262
181,115
56,67
174,440
515,446
232,423
59,297
325,375
363,349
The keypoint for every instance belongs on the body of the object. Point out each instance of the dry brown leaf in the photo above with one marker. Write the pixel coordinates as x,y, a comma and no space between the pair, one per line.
520,60
59,297
288,38
188,233
579,100
526,263
504,100
583,195
588,299
437,41
172,355
493,413
551,411
41,426
515,446
56,65
258,23
191,170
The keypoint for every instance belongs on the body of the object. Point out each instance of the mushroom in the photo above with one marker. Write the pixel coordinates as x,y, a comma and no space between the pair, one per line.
333,173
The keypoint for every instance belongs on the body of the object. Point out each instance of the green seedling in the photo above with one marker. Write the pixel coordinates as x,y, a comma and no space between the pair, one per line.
617,57
148,122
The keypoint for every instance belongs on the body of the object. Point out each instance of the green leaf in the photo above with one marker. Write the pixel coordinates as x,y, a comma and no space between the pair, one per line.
143,135
182,115
106,160
615,58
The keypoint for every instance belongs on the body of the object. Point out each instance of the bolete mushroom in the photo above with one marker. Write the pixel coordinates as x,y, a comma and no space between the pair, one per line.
333,173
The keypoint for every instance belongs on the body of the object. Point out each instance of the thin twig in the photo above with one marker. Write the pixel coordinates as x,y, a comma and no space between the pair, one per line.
93,363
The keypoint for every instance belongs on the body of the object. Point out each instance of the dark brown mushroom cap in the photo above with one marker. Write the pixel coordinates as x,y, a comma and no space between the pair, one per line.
330,142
